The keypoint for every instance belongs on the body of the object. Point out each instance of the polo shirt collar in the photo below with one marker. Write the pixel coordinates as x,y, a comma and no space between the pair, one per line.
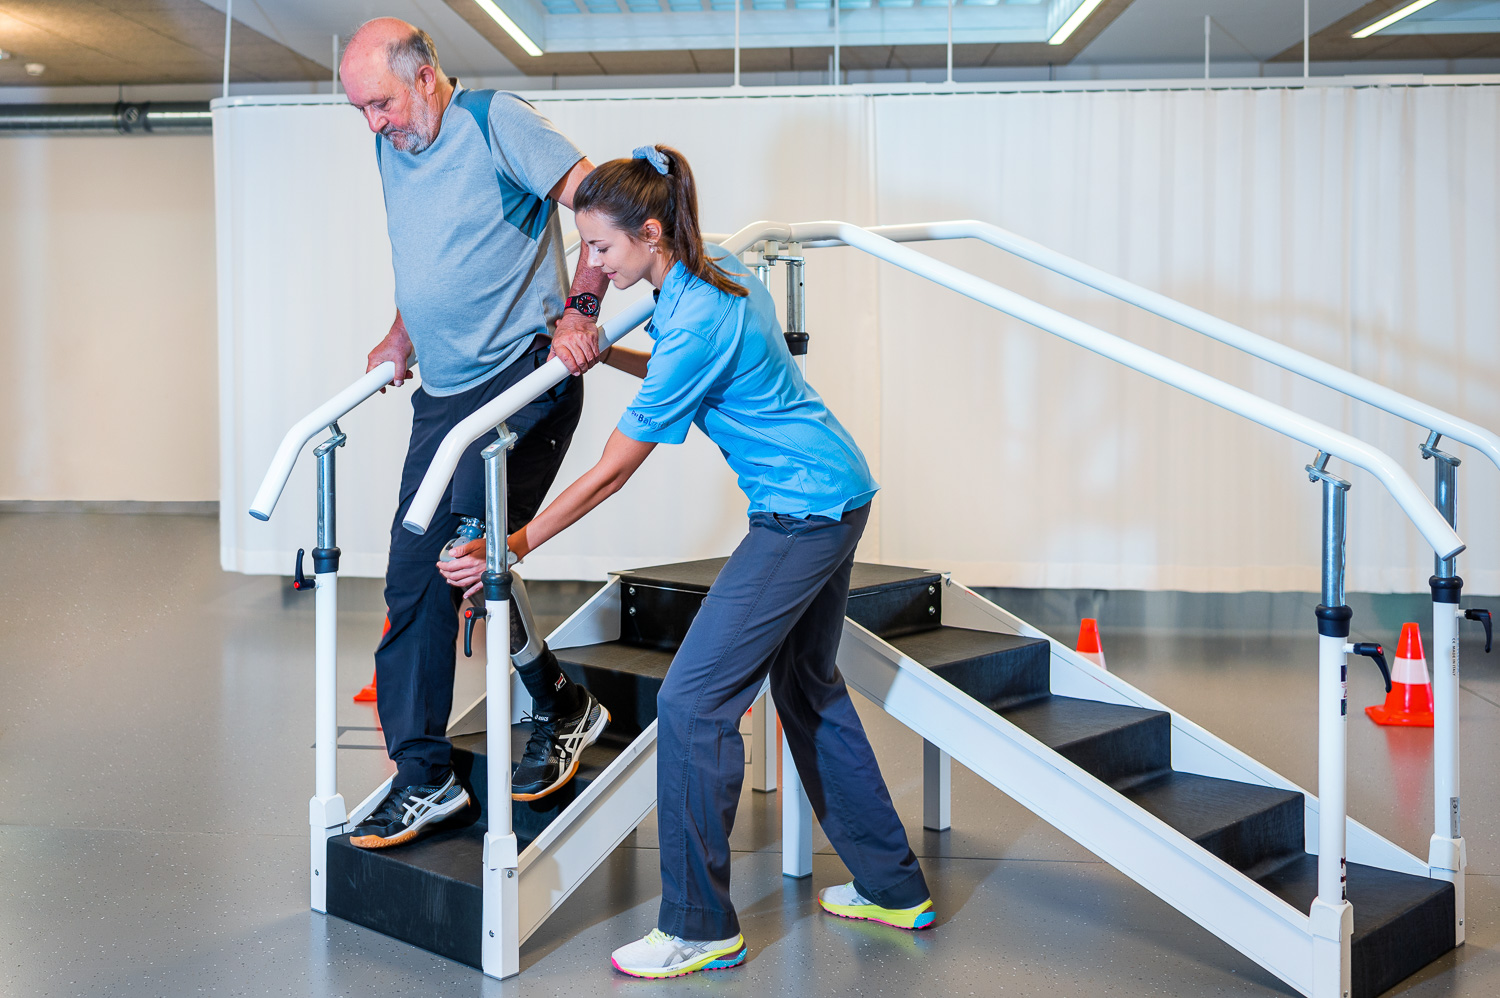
671,290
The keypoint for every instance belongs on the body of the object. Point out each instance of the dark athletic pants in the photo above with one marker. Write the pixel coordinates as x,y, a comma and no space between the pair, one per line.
414,661
777,606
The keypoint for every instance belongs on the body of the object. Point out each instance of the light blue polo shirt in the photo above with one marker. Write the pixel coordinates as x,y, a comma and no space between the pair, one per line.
721,363
475,243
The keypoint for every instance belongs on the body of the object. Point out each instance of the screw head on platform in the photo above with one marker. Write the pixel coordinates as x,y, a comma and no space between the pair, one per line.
631,611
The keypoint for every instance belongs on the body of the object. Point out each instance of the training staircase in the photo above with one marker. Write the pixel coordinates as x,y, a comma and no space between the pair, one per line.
1286,878
1086,751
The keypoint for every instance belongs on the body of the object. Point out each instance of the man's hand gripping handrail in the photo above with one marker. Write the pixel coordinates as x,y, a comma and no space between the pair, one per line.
305,428
497,411
1443,540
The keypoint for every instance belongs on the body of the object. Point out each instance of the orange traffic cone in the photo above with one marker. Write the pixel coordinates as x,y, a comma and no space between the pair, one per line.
1088,642
1410,701
367,695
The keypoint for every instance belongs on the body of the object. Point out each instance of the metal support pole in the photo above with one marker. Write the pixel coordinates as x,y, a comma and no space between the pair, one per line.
835,80
796,306
1447,855
325,812
1332,916
937,788
1207,28
500,945
228,24
950,41
1306,36
796,819
763,742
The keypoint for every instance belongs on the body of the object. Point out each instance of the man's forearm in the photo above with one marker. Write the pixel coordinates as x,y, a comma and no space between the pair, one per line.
586,279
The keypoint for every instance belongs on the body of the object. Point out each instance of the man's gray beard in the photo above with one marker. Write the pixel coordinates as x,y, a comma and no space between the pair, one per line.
421,133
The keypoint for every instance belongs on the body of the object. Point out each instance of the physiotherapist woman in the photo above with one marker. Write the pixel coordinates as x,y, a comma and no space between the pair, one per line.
719,361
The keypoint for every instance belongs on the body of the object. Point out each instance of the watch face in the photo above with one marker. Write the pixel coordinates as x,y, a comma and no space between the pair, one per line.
585,303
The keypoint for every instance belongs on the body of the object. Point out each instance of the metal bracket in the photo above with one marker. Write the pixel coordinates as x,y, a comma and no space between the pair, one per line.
337,440
1318,472
1429,449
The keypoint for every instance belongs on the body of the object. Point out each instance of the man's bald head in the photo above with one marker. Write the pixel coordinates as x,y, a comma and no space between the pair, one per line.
392,45
391,73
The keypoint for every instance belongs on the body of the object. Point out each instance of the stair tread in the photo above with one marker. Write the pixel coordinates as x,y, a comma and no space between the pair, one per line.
452,853
1379,896
1200,805
617,656
944,645
1059,722
595,759
697,576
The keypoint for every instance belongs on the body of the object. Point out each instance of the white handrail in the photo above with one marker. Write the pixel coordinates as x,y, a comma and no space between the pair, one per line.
1324,373
498,410
1428,521
303,430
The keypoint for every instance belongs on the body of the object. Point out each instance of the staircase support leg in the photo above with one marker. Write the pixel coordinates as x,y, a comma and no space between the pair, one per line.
796,819
326,812
1331,914
763,741
1333,933
937,788
500,944
1446,855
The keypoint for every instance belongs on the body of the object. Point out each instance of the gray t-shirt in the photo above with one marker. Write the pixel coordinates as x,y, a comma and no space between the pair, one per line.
476,246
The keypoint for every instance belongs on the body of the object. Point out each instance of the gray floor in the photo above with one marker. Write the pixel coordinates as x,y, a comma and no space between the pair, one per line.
155,763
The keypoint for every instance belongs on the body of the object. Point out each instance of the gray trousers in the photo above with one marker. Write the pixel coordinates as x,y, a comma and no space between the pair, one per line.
778,607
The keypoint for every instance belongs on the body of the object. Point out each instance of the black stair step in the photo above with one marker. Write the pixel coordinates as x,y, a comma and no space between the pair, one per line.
1401,922
657,604
1113,743
429,893
625,678
998,670
1255,829
528,818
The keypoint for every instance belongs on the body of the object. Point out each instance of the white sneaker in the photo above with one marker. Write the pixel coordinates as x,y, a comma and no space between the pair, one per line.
846,902
661,955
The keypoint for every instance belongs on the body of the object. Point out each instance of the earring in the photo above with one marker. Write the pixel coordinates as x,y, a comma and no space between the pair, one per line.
653,247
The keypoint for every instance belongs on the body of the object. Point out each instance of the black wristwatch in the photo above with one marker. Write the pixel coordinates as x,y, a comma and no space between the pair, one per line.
584,304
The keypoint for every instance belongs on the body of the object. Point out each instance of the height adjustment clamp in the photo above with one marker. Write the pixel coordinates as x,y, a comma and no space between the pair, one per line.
1483,616
300,581
1376,654
472,614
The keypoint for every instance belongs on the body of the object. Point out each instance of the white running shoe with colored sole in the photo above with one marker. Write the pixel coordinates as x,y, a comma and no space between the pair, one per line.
660,955
846,902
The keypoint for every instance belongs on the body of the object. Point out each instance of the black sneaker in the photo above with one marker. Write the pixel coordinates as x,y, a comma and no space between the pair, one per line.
556,745
407,810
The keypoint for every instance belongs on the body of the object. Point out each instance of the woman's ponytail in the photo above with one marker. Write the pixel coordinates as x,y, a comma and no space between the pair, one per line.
631,191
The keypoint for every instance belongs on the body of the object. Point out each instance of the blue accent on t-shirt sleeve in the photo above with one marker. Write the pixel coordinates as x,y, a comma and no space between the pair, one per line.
477,103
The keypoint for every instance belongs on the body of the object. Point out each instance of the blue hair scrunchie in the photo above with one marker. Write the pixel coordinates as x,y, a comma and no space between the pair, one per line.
652,155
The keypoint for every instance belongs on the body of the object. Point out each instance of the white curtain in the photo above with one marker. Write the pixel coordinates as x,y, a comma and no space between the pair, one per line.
1357,224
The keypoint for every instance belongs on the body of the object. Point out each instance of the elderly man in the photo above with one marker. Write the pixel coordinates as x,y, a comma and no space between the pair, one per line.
472,180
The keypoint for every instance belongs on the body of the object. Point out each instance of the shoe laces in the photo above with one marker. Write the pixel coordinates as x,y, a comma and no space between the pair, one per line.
656,937
393,807
543,741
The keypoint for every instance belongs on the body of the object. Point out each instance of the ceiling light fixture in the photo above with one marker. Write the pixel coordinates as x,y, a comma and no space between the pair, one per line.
35,69
513,29
1392,18
1075,19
